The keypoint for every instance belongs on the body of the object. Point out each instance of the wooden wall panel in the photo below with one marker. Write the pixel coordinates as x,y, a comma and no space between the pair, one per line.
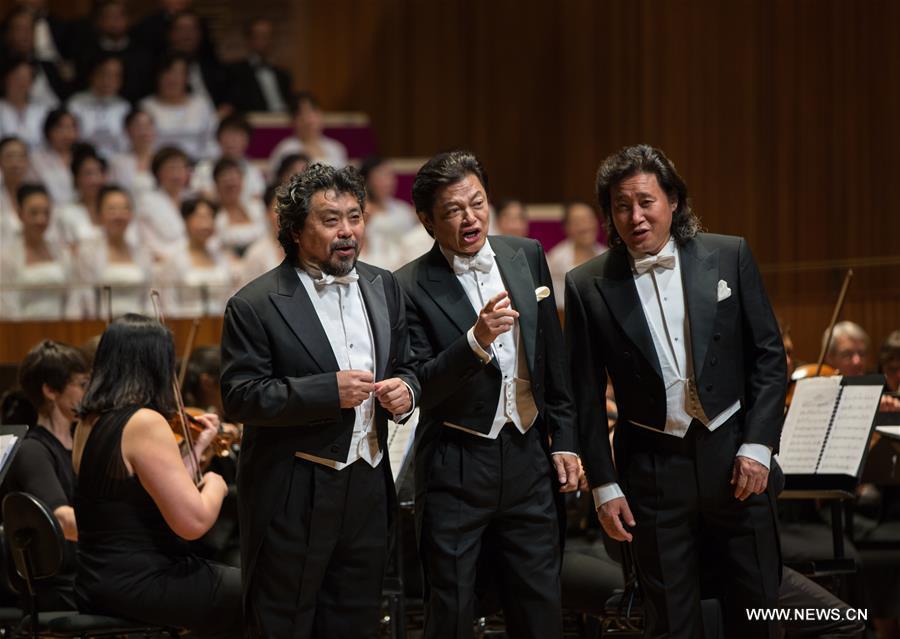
780,114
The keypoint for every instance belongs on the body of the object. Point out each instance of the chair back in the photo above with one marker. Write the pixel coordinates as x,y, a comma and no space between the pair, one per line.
34,537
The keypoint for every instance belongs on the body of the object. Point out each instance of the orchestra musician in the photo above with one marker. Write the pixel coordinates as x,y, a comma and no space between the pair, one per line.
136,503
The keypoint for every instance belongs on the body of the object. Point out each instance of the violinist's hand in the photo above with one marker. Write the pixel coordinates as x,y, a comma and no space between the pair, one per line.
393,395
210,423
213,483
889,404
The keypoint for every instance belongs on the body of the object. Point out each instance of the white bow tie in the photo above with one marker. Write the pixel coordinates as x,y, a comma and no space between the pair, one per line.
480,262
322,280
644,264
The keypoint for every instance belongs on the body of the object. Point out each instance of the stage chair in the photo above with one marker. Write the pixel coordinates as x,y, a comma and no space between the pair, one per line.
35,540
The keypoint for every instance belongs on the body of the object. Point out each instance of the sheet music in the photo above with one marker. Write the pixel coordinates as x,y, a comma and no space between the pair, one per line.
400,441
889,431
807,423
850,432
6,445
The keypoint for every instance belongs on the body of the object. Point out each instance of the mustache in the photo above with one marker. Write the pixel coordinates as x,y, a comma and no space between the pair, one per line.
344,244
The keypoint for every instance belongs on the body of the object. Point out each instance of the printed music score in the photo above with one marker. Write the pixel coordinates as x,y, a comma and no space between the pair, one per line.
828,425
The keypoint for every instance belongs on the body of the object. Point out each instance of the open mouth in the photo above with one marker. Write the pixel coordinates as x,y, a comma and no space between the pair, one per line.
472,236
640,234
345,251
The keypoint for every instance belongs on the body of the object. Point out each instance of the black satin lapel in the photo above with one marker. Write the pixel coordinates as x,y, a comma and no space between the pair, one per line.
620,293
441,284
300,314
376,306
700,278
517,276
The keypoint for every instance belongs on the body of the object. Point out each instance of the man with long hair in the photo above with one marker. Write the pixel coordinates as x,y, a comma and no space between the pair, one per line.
680,322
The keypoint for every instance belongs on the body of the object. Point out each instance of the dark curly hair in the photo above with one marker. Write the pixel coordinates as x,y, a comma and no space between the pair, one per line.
294,197
643,158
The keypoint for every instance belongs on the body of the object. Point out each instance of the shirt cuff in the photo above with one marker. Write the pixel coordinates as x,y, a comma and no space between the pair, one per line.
606,492
563,452
756,452
412,406
482,354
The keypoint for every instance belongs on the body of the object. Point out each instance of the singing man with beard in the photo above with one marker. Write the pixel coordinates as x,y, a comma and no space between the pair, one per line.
314,361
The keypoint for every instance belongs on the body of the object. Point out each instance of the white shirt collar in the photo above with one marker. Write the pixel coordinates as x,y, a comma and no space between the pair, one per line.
485,249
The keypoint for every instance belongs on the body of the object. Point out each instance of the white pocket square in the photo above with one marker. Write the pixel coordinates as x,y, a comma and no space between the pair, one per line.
541,292
723,292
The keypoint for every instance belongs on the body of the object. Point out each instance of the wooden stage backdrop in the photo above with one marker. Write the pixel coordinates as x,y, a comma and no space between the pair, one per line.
780,114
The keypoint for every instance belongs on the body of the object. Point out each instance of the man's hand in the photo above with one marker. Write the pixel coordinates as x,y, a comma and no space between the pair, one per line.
393,395
495,318
612,514
568,469
749,477
889,404
354,387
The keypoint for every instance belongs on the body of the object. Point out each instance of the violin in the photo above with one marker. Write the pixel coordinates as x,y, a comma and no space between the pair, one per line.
820,369
221,445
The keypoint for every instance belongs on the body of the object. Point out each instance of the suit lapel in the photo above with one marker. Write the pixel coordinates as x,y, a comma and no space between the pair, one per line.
618,289
520,284
439,281
700,276
297,310
372,290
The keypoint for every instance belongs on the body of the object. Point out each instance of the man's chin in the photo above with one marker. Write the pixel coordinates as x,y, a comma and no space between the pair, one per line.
340,266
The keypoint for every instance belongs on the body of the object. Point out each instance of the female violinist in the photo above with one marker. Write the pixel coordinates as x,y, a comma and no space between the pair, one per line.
135,501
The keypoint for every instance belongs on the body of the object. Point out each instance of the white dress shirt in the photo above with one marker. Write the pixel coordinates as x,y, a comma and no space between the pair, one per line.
190,125
268,83
661,292
333,153
342,312
159,222
27,125
101,120
516,403
55,174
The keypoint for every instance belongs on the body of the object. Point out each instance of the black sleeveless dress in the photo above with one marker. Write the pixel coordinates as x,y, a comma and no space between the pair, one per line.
130,563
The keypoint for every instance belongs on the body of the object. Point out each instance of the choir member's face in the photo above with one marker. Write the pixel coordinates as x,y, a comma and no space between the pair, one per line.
201,223
642,213
115,213
382,183
891,370
229,185
35,215
513,220
18,82
185,34
581,225
459,219
107,78
113,21
333,232
20,35
233,142
14,162
64,134
172,82
259,39
174,174
848,355
308,121
141,131
90,178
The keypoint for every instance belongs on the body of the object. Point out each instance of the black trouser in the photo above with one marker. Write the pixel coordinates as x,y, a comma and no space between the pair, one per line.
683,503
321,566
502,488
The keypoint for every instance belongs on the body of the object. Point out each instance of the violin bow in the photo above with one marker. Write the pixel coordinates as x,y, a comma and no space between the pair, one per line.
837,311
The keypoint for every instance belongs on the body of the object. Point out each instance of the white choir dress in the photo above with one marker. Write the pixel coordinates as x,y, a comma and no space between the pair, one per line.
39,291
191,291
